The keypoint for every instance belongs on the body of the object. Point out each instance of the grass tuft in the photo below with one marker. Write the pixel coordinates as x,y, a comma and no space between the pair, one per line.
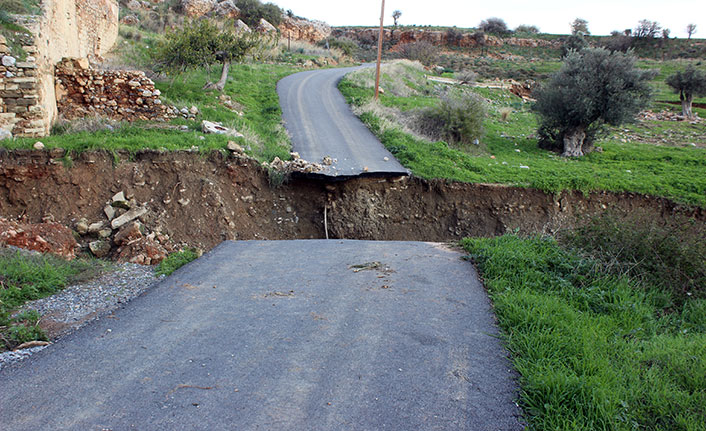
176,260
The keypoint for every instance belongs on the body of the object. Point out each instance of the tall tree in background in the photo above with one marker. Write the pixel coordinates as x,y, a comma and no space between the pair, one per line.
691,29
396,16
689,83
579,27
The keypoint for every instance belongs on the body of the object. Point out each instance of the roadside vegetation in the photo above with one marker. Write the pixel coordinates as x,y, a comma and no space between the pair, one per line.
607,326
245,99
176,260
26,277
669,164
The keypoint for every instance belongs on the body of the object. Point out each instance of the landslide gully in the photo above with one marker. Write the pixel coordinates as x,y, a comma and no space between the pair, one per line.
200,200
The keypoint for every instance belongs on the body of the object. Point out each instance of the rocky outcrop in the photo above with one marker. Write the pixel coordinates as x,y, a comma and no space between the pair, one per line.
303,29
265,27
438,38
197,8
218,9
119,95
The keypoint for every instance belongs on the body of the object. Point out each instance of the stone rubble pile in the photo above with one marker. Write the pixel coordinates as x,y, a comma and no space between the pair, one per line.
123,233
119,95
297,164
46,237
668,116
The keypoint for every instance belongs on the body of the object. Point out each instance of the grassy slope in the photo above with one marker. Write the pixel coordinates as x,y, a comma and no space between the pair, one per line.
622,166
595,351
24,278
252,86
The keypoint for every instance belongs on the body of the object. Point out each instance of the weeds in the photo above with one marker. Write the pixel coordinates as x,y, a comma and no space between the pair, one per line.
176,260
25,278
594,350
670,257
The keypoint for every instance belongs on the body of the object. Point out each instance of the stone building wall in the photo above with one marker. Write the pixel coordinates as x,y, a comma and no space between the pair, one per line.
20,112
66,28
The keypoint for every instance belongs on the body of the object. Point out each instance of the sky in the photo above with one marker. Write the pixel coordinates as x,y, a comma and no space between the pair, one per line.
551,16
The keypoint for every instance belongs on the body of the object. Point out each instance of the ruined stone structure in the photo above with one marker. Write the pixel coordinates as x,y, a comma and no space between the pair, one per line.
66,28
116,94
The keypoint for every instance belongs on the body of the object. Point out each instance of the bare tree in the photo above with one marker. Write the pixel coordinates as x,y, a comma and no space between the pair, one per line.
647,29
691,29
580,26
396,16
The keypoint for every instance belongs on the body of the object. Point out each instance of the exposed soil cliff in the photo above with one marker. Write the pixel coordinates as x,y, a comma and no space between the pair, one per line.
201,200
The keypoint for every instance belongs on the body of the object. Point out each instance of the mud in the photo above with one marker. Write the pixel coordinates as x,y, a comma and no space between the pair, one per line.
201,200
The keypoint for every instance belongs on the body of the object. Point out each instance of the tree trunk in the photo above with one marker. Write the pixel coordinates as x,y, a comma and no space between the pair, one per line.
686,105
573,142
221,84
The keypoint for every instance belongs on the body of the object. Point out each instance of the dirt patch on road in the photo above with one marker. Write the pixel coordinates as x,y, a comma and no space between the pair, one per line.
201,200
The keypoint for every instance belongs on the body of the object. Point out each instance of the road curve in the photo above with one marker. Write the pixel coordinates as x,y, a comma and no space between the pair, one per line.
321,124
282,335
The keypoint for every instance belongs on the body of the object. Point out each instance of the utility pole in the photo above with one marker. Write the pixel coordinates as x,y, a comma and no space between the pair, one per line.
377,74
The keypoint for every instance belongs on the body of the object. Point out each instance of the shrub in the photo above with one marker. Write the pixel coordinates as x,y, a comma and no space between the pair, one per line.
423,52
575,42
669,256
466,75
527,29
594,87
346,45
494,26
505,113
251,11
457,119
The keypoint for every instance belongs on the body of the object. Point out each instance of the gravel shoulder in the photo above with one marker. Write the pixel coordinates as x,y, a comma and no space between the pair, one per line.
82,303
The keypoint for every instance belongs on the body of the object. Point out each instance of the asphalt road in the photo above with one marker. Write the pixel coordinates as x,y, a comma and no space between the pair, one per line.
321,124
286,335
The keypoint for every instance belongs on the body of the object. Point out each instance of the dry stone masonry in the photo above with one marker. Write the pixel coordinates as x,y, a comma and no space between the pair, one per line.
65,28
20,112
119,95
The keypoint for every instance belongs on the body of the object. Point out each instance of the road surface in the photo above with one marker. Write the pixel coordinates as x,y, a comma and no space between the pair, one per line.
321,124
282,335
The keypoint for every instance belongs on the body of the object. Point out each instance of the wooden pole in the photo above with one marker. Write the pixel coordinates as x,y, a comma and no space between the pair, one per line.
377,74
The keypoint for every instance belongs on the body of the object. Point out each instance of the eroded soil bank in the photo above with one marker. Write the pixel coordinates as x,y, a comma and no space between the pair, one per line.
201,200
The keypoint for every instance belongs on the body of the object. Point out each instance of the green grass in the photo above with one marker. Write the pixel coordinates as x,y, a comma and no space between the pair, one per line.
624,165
595,351
176,260
251,85
28,277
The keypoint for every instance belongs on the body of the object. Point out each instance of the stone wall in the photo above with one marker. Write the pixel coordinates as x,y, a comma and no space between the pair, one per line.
66,28
116,94
20,113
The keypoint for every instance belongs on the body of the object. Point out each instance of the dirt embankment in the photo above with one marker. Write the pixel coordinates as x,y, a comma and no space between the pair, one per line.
201,200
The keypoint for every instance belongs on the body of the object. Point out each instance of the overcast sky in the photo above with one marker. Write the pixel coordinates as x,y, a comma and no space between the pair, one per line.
551,16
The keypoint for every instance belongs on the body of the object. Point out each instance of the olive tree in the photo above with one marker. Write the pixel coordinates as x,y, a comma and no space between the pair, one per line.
201,43
688,83
594,87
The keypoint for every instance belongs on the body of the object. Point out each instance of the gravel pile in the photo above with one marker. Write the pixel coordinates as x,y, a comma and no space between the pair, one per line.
77,305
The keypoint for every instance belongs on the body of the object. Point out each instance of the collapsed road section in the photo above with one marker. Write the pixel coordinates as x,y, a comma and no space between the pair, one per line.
186,198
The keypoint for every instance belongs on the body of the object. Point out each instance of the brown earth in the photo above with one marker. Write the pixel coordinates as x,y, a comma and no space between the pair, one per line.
202,200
